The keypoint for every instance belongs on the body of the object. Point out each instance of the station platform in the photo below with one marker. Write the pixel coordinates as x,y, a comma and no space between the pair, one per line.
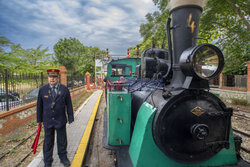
78,134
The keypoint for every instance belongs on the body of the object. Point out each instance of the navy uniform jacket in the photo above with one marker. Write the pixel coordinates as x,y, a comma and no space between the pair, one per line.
55,117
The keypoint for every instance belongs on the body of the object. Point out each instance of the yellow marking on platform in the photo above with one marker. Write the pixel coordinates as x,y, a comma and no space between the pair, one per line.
82,148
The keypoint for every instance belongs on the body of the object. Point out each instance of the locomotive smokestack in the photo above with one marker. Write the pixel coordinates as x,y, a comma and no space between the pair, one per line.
185,16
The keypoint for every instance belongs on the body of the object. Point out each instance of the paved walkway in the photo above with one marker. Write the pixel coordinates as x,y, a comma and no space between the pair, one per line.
74,132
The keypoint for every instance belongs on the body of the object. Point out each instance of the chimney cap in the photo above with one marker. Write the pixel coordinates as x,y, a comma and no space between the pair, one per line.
178,3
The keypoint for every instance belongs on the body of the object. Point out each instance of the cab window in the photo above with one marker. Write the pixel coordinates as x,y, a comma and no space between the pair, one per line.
121,70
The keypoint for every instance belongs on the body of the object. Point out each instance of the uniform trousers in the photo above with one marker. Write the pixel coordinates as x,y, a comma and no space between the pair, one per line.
48,145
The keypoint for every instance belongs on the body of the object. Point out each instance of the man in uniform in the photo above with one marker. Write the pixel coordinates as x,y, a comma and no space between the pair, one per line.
52,100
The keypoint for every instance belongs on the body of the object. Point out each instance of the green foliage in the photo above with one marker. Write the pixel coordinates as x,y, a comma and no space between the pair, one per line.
87,62
154,31
227,23
224,23
68,52
4,42
242,102
15,58
77,58
33,124
14,150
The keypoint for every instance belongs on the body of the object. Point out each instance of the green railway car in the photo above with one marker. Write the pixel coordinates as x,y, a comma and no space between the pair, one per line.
122,68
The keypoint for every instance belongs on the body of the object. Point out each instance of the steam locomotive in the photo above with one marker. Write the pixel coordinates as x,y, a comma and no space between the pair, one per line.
159,108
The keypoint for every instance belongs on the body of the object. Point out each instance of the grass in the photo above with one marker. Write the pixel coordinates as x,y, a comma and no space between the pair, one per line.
13,151
237,101
33,124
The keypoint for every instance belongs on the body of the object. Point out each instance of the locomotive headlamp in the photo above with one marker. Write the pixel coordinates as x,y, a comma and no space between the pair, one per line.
203,61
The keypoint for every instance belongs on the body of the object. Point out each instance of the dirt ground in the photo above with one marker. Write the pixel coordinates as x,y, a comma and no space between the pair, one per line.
97,156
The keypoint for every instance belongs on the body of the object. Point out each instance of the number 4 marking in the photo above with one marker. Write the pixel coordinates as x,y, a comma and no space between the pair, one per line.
191,25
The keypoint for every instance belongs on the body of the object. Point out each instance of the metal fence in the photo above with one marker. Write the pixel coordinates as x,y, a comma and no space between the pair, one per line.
214,82
239,81
75,81
18,88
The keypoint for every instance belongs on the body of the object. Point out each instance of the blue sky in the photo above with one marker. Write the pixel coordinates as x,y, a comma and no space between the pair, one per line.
112,24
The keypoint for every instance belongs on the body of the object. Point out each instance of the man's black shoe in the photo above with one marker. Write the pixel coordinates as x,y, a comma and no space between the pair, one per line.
65,162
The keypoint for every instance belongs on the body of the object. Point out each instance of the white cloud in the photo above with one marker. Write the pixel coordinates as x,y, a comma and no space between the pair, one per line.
103,23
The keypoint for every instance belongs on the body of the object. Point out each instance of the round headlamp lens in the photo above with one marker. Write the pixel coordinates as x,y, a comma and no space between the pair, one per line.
206,61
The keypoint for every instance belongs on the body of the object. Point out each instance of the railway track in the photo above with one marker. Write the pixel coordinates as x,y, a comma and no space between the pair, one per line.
242,133
26,156
18,161
241,114
246,116
17,146
245,135
242,111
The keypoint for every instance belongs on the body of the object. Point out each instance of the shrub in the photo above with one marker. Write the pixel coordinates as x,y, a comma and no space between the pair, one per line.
237,101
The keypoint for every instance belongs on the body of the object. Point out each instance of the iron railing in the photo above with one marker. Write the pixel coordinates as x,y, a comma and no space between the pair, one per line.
75,81
238,81
17,88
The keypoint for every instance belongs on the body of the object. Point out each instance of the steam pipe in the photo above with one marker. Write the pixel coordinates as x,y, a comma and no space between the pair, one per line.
170,51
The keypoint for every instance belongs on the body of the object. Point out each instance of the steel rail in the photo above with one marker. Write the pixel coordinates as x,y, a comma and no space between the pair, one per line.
26,156
18,145
241,132
241,116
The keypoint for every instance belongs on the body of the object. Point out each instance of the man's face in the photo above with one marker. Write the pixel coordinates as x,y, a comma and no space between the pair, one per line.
53,80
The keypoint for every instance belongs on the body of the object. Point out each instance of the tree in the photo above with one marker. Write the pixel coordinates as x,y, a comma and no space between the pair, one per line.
6,58
154,31
224,23
228,22
15,58
4,42
68,52
88,64
77,58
